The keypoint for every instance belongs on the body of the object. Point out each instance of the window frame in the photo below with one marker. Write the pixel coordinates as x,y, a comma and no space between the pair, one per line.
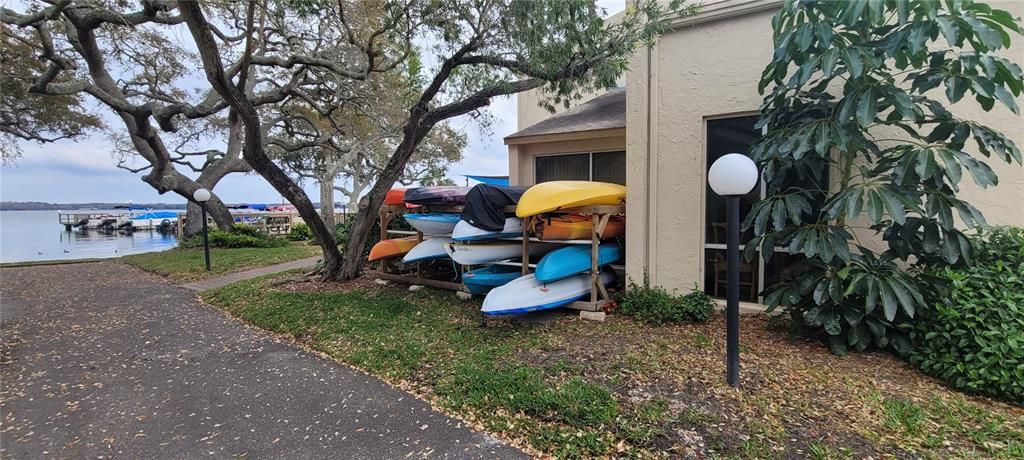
588,153
761,262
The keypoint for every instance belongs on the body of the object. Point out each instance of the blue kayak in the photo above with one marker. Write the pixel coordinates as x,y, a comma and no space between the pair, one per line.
434,224
482,280
572,260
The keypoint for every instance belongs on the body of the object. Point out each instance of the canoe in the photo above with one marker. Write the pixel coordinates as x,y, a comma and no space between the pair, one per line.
575,227
564,194
526,294
392,248
482,280
436,196
464,231
434,223
573,260
429,249
477,254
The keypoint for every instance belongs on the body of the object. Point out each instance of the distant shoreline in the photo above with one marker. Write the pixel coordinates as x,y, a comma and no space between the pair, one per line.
43,206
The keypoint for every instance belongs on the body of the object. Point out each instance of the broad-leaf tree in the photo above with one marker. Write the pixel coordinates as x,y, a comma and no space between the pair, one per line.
475,50
123,55
863,91
25,115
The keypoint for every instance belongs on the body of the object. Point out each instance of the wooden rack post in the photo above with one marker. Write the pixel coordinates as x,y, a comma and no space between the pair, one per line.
600,216
389,272
526,246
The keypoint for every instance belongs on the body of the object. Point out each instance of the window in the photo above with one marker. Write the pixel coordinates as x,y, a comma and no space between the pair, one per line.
595,166
737,135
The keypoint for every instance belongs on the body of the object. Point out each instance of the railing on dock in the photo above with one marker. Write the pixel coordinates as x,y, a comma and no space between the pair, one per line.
74,218
271,223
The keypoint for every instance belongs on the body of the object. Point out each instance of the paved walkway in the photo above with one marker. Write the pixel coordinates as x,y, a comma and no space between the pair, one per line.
231,278
102,360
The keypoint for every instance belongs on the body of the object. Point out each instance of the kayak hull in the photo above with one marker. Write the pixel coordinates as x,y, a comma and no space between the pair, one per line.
555,195
482,280
464,231
436,196
478,254
395,197
525,294
391,248
429,249
573,260
434,224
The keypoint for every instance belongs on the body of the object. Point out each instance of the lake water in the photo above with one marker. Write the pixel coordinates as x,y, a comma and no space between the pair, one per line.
37,235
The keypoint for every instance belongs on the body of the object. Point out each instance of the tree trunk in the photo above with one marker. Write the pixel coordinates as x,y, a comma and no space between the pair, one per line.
215,208
327,201
252,146
352,258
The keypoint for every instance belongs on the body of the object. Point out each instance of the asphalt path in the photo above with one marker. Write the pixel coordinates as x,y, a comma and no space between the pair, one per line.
102,360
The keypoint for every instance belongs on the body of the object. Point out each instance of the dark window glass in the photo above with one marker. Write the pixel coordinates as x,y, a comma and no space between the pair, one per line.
779,268
732,135
737,135
715,276
610,167
563,167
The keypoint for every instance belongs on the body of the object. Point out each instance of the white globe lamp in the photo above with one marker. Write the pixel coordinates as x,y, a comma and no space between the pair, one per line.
201,195
734,174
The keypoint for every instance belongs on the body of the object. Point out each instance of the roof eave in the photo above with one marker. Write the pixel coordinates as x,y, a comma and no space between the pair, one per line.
725,10
566,136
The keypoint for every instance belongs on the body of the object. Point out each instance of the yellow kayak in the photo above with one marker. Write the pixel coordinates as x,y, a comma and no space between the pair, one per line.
564,194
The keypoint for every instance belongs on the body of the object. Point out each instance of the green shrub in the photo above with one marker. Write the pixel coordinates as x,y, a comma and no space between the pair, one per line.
240,236
972,336
300,232
655,304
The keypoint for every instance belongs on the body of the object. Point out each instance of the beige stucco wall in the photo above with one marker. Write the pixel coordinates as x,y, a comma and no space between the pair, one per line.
710,70
521,156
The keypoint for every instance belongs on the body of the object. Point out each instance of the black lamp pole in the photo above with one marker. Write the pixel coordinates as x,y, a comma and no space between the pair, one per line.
206,238
732,305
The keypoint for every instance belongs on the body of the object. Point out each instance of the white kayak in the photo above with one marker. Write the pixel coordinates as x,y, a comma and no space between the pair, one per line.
526,294
465,231
428,249
434,223
482,253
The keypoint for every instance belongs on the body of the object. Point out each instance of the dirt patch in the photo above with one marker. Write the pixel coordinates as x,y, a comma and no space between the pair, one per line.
794,392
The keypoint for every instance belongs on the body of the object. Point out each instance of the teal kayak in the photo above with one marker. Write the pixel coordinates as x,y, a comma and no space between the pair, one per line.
572,260
482,280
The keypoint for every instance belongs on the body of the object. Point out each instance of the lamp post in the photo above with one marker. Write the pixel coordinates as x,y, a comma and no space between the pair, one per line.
732,176
202,196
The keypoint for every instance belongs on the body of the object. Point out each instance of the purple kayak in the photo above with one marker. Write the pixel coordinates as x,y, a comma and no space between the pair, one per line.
437,196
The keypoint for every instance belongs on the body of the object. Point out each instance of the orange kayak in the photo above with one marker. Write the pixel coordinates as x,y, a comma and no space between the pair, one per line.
395,197
575,227
392,248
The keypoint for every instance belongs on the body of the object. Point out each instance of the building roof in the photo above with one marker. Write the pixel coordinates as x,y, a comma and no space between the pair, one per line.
607,111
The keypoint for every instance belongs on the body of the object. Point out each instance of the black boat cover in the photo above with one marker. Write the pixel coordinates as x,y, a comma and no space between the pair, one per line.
485,205
436,195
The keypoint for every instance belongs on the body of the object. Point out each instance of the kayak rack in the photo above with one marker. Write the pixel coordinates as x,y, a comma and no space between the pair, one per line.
600,214
387,214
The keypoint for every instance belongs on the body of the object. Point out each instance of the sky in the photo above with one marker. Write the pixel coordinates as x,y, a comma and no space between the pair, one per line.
84,170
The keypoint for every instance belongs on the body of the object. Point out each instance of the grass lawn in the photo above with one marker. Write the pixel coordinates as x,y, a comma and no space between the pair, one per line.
574,389
187,265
